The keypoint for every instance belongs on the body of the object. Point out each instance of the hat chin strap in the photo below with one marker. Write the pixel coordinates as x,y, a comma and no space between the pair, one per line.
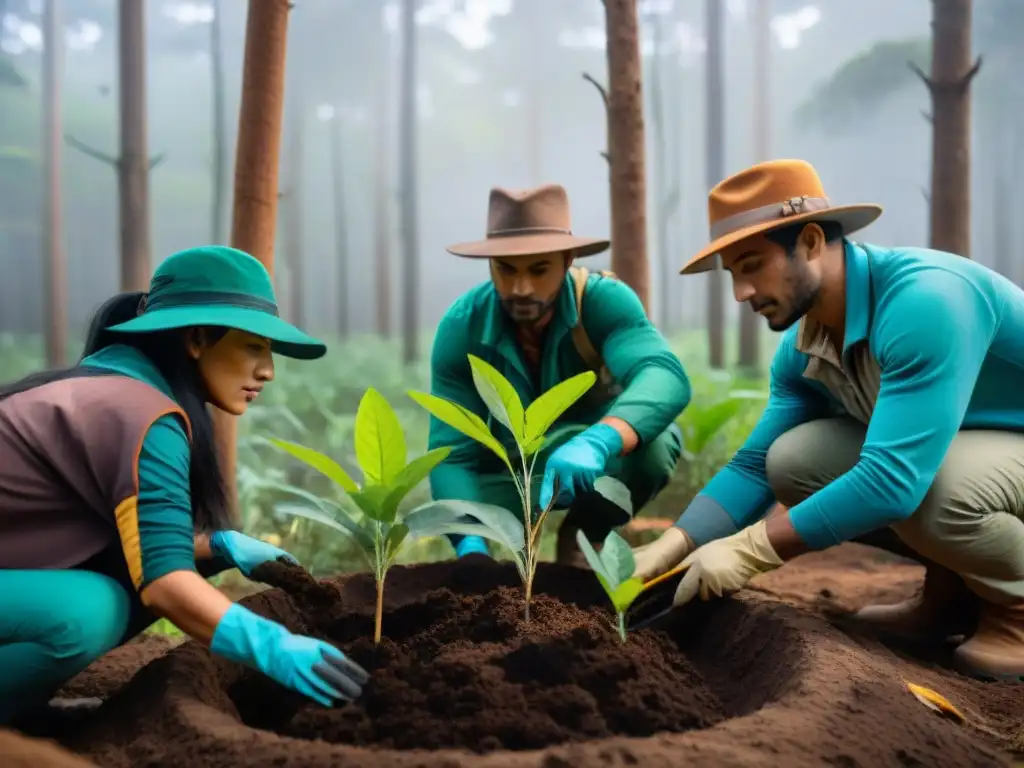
766,214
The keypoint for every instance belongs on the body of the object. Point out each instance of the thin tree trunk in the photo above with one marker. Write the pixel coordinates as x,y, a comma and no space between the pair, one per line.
410,225
56,292
626,148
254,218
220,139
534,65
950,86
661,173
133,176
340,230
715,159
750,322
382,189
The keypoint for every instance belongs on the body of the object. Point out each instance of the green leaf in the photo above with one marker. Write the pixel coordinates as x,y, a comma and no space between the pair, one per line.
545,410
462,419
380,442
617,559
319,462
373,502
340,523
703,424
499,396
616,492
393,542
436,518
594,561
624,594
417,470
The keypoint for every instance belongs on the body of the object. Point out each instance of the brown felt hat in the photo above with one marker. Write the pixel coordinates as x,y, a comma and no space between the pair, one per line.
769,196
529,222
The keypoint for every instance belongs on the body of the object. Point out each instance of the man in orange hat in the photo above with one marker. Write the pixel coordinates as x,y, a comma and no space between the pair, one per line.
895,406
539,321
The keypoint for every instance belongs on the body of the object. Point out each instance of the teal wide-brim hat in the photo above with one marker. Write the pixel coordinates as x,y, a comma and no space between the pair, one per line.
219,286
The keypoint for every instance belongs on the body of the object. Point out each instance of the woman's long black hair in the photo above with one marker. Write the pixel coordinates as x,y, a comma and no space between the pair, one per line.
167,351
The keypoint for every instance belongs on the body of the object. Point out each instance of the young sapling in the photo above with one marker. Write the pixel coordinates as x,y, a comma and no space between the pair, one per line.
529,429
387,479
614,566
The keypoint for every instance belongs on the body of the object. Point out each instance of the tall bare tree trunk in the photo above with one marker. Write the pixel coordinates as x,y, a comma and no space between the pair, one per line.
133,179
950,86
715,159
256,161
55,305
534,64
220,139
408,125
340,233
666,185
626,148
382,188
750,321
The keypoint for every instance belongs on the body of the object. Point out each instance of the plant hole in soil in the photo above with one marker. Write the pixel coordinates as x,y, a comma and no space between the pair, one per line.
458,667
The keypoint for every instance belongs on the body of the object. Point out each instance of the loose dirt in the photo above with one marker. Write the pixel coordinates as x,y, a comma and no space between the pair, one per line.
769,677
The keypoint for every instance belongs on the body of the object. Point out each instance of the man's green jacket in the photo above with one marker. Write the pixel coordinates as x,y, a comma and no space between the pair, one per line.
655,386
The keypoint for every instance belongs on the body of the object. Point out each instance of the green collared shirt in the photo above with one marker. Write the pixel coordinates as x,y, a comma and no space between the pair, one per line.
655,386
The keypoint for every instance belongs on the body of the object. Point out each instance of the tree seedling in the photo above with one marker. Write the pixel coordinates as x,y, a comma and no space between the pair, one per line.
529,427
614,566
387,480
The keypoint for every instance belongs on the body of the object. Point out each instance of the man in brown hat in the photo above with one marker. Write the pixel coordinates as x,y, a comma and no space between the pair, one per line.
539,321
895,418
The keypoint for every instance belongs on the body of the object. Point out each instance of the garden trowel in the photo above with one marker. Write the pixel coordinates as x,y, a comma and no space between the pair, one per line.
654,604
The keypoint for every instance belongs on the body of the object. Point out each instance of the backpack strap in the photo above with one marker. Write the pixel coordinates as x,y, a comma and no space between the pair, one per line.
580,339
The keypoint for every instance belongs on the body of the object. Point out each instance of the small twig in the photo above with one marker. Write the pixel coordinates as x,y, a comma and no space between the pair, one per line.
95,154
920,73
927,116
971,73
600,88
157,160
926,195
607,157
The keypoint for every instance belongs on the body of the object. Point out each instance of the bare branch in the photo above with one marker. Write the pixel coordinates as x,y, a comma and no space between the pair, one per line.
926,195
920,73
607,157
600,88
965,81
157,160
95,154
927,116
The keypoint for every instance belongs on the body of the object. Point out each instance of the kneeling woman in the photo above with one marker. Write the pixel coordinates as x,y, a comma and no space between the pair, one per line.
112,505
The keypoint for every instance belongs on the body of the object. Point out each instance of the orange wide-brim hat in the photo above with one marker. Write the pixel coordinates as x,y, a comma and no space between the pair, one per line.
529,222
770,196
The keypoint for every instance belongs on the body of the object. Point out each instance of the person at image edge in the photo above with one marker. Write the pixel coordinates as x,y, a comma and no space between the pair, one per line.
895,418
539,320
112,505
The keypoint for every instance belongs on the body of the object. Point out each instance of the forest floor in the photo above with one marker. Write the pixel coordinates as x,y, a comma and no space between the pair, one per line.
775,675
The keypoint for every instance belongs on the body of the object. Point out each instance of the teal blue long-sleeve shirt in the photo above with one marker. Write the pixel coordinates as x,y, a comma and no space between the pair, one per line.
164,506
655,386
948,335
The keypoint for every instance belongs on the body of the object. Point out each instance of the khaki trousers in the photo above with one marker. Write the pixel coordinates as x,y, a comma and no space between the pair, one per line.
971,521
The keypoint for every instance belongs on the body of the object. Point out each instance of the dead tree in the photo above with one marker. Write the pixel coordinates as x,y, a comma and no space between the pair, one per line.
949,84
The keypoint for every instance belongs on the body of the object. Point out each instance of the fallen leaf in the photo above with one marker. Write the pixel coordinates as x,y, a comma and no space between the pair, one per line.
935,701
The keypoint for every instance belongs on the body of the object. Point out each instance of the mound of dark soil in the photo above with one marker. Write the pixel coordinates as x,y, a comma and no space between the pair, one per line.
461,680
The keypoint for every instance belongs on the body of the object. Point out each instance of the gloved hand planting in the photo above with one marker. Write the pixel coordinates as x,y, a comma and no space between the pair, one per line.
662,554
311,667
245,552
577,464
726,565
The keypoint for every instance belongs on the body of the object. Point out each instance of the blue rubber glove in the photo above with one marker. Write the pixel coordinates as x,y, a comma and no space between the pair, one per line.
303,664
245,552
578,463
471,545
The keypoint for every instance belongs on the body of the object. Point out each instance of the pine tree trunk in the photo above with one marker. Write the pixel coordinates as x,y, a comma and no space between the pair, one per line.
715,159
950,86
626,148
55,304
409,205
133,175
750,321
220,139
382,189
258,150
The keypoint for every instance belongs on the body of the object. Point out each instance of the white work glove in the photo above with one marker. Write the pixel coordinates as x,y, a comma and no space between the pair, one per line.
726,565
661,555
